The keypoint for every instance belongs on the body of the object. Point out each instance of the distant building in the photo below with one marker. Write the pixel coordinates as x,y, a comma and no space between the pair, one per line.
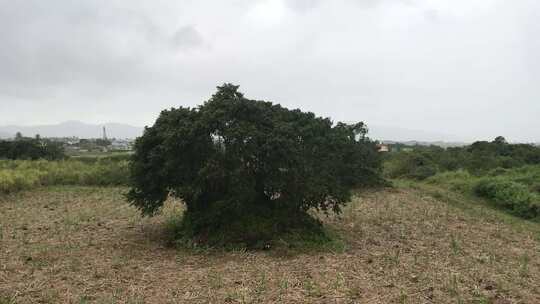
72,141
121,145
383,148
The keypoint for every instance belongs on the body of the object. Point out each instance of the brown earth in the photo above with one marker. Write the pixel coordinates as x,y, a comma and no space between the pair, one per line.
87,245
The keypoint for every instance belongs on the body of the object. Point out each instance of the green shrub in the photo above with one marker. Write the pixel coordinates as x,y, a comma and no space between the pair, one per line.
12,181
248,170
536,187
460,180
526,175
509,195
409,165
423,172
498,171
514,190
479,158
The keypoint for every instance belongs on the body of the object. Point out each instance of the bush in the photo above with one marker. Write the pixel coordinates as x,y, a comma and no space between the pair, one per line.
13,181
514,190
424,171
248,170
460,180
480,158
498,171
526,175
409,165
510,195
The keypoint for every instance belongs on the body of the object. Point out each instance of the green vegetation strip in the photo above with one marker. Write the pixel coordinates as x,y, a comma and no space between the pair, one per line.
513,190
16,175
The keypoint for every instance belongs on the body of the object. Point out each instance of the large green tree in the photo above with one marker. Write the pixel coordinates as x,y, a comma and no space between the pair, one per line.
249,166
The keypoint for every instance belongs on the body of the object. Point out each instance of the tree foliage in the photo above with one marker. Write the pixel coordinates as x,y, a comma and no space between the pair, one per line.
249,166
477,158
30,148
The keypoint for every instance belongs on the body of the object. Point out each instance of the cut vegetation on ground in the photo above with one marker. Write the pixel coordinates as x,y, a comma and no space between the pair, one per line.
87,245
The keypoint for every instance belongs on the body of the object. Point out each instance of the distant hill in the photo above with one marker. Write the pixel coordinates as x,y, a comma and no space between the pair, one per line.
118,130
73,128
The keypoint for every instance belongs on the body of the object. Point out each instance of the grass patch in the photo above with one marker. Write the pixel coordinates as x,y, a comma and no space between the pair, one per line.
17,175
6,300
509,195
512,190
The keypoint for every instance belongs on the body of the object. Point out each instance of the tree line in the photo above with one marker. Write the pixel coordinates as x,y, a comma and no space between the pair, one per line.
31,148
477,158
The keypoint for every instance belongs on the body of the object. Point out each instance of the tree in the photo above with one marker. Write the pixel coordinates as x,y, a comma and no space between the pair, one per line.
248,169
52,150
500,140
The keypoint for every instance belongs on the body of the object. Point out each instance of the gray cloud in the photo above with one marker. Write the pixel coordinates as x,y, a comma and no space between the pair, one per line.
467,68
187,37
376,3
303,5
432,15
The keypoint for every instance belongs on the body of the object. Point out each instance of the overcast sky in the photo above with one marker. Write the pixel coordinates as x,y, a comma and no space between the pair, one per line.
467,68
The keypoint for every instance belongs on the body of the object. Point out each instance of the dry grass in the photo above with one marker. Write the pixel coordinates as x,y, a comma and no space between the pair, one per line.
86,245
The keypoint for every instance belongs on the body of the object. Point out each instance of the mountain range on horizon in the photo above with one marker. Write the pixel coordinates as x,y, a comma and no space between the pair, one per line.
74,128
119,130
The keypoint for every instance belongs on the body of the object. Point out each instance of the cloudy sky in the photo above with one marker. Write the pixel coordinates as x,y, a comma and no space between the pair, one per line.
466,68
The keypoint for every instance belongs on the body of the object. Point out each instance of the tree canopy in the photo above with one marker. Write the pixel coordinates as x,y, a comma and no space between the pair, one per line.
477,158
248,164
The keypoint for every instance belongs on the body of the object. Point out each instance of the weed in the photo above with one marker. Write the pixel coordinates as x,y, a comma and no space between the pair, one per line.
394,258
454,244
402,296
6,300
260,285
215,280
524,266
452,286
339,281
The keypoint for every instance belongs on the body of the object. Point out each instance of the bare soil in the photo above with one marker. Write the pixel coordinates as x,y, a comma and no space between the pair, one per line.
87,245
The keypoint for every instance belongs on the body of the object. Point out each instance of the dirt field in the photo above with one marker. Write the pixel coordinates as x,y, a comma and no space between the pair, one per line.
86,245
